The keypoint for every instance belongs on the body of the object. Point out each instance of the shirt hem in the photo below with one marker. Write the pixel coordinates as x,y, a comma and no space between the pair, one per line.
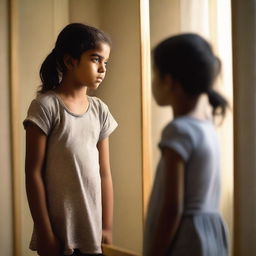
69,251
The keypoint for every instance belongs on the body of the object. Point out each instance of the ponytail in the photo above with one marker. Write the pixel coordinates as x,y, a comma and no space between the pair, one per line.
49,73
217,101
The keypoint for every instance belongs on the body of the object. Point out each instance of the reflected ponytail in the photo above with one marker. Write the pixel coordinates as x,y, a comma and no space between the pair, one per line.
218,102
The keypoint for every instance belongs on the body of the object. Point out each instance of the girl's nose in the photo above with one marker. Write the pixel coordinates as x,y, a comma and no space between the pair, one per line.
102,68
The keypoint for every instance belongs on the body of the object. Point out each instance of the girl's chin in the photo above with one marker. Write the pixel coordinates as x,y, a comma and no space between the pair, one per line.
93,87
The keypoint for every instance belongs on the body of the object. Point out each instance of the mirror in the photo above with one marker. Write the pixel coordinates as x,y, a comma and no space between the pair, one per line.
212,20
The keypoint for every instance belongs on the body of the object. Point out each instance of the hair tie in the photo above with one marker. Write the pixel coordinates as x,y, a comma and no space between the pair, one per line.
209,90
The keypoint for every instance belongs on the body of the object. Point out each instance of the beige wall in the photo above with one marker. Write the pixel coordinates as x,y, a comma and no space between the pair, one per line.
39,23
5,154
85,11
121,91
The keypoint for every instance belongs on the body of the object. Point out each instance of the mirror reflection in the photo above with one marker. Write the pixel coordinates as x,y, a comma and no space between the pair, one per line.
204,18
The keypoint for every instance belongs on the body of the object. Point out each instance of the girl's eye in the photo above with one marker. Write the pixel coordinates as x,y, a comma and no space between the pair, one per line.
105,63
96,60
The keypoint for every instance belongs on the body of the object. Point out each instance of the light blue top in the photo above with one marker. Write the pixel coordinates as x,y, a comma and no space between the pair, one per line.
197,143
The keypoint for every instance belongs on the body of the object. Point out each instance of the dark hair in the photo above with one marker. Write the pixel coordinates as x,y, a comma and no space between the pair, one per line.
189,59
74,39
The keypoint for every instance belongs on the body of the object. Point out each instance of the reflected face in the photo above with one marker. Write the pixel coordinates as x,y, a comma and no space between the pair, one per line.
90,70
160,89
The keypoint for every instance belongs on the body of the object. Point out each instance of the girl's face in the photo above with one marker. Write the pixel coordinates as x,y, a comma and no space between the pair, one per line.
90,70
161,88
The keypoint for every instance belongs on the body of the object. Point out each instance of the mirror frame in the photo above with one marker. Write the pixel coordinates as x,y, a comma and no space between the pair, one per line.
146,103
14,123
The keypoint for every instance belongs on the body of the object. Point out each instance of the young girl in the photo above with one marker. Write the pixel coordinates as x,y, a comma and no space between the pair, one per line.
68,179
183,215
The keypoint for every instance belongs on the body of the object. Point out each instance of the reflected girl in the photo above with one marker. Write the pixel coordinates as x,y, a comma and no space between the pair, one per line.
183,216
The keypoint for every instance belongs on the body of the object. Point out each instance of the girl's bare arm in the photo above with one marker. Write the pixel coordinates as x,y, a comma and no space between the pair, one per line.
107,191
172,208
35,154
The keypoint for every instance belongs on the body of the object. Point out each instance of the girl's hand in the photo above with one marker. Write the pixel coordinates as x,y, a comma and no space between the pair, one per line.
106,236
49,247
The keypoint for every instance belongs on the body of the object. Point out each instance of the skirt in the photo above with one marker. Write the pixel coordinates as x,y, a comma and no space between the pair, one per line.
202,234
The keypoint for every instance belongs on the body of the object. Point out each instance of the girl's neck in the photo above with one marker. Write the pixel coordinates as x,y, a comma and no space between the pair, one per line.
197,107
184,108
73,97
68,89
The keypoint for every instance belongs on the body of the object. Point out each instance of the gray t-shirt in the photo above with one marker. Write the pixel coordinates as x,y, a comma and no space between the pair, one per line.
71,172
197,143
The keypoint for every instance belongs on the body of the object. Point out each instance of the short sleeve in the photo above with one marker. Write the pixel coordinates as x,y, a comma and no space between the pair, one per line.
108,123
178,139
38,115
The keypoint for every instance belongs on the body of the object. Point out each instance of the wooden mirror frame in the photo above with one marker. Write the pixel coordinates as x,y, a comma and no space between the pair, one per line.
14,124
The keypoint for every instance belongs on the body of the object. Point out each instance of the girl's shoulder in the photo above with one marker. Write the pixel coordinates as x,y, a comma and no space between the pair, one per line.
189,123
46,102
176,128
185,134
178,124
47,99
107,121
43,112
188,127
98,104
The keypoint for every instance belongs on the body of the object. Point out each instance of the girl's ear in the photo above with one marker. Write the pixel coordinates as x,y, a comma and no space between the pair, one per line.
69,62
169,82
